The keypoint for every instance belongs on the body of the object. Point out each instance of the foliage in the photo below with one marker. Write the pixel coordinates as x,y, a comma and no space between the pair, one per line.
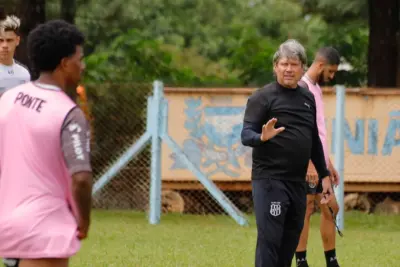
133,57
255,52
212,43
234,39
254,58
338,11
129,57
346,28
353,47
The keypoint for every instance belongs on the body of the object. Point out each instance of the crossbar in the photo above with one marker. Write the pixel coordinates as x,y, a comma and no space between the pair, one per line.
215,192
128,155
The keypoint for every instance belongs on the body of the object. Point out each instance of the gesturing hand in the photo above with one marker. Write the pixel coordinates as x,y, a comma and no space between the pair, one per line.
269,131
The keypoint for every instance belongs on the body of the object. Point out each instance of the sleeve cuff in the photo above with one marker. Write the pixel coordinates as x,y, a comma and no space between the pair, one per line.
80,168
257,140
324,174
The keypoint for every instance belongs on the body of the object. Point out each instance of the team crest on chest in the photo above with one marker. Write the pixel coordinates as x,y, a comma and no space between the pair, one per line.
275,209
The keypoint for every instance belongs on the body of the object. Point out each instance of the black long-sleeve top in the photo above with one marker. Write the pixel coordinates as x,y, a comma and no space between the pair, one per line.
285,156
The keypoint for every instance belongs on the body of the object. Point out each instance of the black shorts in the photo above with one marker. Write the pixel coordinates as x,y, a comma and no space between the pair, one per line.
11,262
313,189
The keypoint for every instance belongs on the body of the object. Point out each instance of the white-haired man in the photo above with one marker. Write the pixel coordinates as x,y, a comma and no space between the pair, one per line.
281,156
12,73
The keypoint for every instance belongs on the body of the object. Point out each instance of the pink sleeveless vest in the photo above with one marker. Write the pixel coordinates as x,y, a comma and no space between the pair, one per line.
36,220
317,92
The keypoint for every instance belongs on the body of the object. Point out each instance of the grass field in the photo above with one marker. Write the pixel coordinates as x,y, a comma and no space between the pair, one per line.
126,239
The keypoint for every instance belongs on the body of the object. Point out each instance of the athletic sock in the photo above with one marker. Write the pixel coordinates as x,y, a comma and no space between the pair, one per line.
330,257
301,259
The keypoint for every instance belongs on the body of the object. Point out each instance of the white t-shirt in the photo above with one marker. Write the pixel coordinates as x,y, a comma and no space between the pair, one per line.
14,75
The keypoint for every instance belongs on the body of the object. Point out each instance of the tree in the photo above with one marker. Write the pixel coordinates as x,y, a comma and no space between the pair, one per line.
32,13
383,51
8,6
68,10
382,20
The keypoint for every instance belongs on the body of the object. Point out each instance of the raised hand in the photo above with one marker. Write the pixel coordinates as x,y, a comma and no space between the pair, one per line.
269,131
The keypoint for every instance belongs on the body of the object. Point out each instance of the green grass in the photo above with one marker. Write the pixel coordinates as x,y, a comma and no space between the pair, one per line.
126,239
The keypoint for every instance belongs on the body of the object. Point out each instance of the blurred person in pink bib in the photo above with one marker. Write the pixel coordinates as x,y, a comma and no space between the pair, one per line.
45,171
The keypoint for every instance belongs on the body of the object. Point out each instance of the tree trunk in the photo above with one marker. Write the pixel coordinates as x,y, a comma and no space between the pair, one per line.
398,58
8,6
68,10
32,13
383,51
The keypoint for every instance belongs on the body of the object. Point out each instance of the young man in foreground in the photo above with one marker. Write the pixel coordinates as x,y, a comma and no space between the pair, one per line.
12,73
321,71
45,171
281,156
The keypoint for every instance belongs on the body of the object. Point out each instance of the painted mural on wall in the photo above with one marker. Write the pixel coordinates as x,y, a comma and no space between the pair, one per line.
208,128
213,142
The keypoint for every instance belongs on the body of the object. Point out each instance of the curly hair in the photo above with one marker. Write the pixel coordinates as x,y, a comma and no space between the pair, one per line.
52,41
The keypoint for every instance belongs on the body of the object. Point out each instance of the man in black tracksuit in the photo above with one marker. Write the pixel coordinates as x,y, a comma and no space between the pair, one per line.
281,156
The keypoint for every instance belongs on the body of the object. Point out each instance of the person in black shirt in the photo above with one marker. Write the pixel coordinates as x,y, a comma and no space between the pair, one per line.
280,124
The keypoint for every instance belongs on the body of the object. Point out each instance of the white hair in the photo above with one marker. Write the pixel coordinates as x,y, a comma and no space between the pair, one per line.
291,49
10,23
